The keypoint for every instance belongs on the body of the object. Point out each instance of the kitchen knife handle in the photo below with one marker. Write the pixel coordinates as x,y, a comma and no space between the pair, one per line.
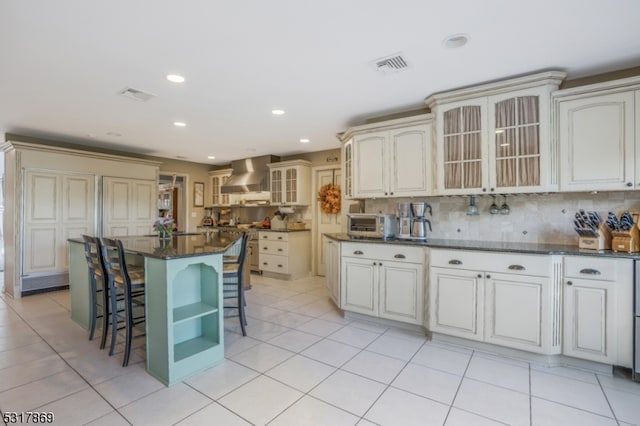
400,256
589,271
517,267
455,262
358,252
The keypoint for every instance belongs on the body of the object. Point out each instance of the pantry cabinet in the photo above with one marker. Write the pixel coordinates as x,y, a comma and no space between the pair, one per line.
496,137
504,299
129,206
290,183
385,282
389,159
596,131
219,178
598,309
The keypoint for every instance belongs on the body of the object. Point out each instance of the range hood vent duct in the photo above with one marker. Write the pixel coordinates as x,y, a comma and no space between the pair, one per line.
249,175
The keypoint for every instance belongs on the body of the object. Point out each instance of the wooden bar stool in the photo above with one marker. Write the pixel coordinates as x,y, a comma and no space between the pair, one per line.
97,288
130,283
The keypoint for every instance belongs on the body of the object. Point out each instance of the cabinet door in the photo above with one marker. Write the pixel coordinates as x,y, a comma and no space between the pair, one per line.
519,145
371,165
456,302
276,186
129,206
462,148
359,286
589,320
596,137
410,161
514,310
347,162
402,292
291,195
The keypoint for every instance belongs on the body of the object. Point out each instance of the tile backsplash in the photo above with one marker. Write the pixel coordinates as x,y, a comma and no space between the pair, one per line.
536,218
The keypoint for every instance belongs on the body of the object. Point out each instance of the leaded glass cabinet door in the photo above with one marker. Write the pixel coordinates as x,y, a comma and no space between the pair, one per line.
463,149
291,185
347,158
276,186
519,141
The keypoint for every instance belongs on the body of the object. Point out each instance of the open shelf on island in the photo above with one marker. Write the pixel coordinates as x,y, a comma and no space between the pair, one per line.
193,346
193,310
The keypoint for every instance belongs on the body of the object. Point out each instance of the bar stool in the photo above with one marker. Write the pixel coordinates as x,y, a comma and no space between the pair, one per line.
97,287
233,283
129,283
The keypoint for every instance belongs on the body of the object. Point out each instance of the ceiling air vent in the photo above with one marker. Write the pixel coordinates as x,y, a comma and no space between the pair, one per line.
138,95
390,64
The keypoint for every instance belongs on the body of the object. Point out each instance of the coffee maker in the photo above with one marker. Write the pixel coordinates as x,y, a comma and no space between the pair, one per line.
419,222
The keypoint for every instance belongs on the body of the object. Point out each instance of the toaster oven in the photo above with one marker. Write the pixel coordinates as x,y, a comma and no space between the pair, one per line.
371,225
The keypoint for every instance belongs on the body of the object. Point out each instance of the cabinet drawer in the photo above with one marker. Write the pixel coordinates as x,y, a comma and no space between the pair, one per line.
525,264
389,252
274,247
273,236
597,268
274,263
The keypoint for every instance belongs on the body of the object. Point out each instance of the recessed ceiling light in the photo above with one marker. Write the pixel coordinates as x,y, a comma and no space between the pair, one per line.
179,124
211,157
277,112
304,140
455,40
175,78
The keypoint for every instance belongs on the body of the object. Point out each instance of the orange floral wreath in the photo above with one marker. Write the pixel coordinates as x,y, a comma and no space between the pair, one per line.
329,197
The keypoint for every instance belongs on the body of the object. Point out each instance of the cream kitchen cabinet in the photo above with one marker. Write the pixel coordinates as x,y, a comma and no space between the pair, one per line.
496,137
129,206
332,271
219,178
347,169
290,183
388,159
596,131
287,254
385,281
498,298
598,309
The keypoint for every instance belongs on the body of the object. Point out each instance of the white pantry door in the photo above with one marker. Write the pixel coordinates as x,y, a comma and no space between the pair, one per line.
326,223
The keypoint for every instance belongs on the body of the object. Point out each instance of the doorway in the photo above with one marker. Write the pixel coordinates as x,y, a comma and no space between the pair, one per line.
323,222
172,200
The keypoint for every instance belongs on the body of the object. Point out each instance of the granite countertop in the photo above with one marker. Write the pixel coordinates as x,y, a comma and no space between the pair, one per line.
527,248
179,246
285,230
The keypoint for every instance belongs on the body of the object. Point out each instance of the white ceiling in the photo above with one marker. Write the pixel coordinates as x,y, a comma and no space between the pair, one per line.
62,63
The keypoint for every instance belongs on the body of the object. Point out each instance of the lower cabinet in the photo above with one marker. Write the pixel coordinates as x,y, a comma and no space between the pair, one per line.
332,271
287,254
598,310
504,299
383,281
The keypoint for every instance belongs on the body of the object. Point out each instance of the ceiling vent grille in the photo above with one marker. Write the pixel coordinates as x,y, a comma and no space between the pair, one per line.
390,64
138,95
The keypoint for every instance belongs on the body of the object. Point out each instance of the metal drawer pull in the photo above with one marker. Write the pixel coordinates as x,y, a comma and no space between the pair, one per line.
400,256
455,262
279,249
590,271
517,267
279,266
264,263
279,238
358,252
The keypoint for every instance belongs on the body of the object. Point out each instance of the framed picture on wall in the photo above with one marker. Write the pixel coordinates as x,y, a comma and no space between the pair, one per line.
198,194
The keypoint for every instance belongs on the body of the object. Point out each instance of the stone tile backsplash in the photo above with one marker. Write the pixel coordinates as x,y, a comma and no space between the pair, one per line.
534,218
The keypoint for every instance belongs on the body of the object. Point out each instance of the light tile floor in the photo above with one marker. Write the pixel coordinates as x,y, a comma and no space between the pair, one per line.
303,363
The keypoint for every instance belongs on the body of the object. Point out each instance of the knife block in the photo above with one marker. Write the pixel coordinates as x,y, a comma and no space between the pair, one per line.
601,242
627,241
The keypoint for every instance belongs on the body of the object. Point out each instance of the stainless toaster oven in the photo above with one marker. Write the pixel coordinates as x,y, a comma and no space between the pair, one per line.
371,225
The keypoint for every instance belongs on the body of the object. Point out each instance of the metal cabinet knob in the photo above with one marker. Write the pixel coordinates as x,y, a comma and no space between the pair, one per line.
629,184
374,263
479,275
488,276
569,283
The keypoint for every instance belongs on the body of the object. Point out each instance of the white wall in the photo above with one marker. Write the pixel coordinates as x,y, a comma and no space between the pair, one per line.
533,218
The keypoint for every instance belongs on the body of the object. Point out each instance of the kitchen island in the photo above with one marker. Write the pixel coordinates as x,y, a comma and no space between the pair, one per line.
183,296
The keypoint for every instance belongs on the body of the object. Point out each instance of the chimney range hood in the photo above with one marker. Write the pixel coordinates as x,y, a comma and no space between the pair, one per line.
249,175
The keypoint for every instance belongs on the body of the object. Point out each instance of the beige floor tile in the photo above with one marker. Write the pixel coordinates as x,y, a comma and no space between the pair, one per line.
375,366
548,413
396,407
428,382
493,402
213,413
31,371
221,379
349,392
78,409
330,352
129,387
309,411
262,357
295,340
301,373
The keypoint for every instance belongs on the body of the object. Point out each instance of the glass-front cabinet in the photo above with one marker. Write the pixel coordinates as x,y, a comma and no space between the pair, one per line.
290,183
347,161
219,178
496,138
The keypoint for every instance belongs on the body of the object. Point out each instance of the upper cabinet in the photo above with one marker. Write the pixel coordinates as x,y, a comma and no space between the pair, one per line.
599,146
290,183
219,178
389,159
496,137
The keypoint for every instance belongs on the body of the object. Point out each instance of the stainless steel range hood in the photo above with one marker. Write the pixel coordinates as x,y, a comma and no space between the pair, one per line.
249,175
